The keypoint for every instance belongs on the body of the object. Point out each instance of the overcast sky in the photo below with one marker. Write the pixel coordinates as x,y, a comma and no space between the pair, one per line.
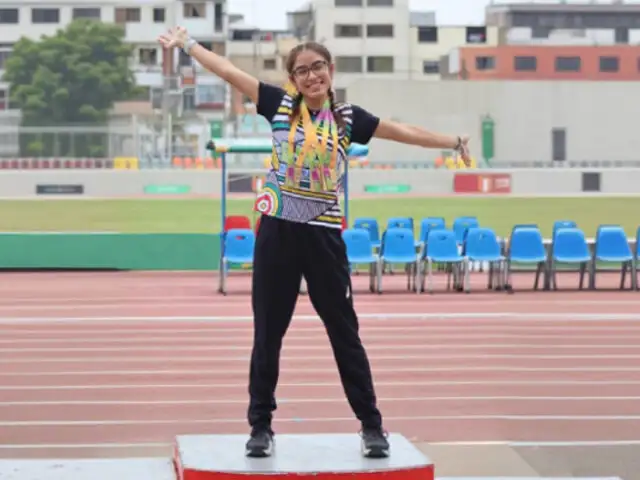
272,13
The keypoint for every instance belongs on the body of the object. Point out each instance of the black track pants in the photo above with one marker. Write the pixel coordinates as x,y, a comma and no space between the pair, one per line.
285,251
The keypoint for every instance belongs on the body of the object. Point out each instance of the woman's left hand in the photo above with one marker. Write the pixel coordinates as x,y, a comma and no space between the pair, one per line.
464,150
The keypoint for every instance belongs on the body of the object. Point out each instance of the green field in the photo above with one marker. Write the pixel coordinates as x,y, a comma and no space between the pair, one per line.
203,216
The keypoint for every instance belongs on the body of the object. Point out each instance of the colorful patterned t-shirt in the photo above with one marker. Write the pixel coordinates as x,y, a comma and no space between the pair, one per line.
302,204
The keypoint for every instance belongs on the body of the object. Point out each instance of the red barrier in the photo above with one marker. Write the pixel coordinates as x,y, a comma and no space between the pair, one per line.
482,183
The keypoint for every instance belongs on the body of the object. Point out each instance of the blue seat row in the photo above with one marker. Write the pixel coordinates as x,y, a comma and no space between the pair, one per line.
441,246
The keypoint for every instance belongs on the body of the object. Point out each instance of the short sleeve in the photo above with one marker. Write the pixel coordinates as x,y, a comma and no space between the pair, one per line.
364,125
269,99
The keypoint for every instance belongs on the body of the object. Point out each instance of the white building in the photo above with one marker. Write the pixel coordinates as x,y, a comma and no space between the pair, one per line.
383,39
143,22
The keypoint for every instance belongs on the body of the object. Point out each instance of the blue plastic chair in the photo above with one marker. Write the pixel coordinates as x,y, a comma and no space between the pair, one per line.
359,251
369,224
526,246
442,248
563,224
239,244
400,222
482,245
398,247
461,225
612,246
570,246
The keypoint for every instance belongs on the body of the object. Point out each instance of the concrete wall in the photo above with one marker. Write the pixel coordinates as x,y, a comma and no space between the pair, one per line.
600,118
22,184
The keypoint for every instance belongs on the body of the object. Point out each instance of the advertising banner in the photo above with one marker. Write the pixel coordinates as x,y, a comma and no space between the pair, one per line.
491,183
57,189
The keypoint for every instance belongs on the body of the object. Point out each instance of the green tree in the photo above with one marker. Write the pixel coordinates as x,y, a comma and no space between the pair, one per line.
70,79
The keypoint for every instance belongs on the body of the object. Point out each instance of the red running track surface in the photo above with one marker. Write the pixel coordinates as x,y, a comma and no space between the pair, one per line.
99,364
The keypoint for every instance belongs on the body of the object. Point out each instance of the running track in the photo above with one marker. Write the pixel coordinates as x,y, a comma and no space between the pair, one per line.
100,364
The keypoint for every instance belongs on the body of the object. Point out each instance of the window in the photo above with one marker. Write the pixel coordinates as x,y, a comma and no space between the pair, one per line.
377,31
188,99
380,64
209,94
242,35
5,53
3,99
269,64
380,3
476,35
431,67
428,34
148,56
45,15
568,64
348,31
622,35
159,15
127,15
349,64
86,13
9,15
218,17
558,144
348,3
485,63
194,10
341,95
609,64
525,64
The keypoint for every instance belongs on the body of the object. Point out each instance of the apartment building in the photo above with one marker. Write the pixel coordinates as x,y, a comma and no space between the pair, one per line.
556,41
143,22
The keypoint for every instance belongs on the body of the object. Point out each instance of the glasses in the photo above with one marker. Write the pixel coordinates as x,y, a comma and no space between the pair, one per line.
316,67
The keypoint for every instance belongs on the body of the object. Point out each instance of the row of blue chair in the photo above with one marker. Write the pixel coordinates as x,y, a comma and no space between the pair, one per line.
370,224
525,245
441,247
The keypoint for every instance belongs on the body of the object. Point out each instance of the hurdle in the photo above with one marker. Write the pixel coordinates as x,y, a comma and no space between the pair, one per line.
224,148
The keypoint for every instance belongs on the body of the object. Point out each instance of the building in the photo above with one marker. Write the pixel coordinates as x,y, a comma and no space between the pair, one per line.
559,62
556,41
383,39
143,22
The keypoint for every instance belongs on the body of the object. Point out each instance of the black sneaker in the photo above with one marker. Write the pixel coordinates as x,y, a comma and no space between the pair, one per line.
261,443
374,443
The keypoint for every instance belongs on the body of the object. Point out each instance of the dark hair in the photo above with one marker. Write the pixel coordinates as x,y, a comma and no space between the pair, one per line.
290,63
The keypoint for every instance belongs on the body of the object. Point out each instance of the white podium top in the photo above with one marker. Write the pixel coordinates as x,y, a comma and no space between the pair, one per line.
331,453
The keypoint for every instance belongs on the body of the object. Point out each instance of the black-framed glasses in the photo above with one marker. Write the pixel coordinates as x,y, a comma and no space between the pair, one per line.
317,67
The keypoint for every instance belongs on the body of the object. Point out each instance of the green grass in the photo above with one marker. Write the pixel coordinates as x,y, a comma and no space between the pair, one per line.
195,216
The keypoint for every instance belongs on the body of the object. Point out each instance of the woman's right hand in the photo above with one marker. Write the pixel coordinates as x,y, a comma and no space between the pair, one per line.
176,37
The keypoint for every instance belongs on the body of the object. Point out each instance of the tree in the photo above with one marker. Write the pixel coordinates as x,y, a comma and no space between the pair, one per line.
71,78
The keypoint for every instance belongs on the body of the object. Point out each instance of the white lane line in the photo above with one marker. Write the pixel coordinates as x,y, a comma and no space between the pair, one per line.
633,340
336,384
209,359
420,418
462,317
303,400
329,370
325,346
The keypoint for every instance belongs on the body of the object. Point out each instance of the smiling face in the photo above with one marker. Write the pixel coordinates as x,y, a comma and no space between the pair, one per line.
311,71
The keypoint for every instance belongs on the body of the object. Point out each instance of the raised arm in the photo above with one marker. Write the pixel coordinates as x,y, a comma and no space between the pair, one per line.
247,84
412,135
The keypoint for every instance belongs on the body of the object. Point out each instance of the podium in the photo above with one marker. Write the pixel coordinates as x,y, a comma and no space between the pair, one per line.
305,457
222,457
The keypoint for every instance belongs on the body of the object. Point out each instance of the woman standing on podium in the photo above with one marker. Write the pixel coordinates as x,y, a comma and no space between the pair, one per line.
300,229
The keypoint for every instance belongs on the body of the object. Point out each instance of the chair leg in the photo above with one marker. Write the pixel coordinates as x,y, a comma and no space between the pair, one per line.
379,268
592,277
583,267
634,275
466,274
372,277
430,274
223,277
623,275
507,275
536,280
